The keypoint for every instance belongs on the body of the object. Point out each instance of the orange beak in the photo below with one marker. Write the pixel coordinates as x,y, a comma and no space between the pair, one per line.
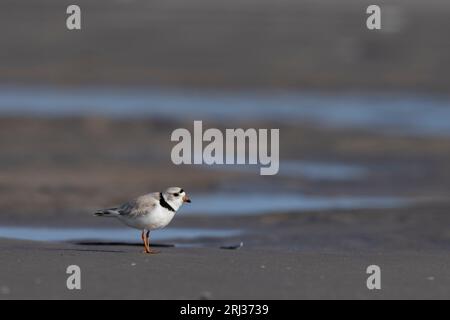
186,199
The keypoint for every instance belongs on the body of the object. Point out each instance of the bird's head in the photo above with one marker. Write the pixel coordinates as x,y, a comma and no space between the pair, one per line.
176,196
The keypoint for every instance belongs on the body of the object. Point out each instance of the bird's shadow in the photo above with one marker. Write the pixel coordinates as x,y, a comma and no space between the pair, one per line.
110,244
120,244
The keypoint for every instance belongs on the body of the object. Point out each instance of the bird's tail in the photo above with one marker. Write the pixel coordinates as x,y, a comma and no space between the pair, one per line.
107,213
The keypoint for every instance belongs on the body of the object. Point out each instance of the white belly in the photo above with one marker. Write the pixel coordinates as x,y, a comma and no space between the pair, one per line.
156,219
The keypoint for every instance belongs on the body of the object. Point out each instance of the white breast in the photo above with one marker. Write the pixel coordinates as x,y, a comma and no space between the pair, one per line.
157,218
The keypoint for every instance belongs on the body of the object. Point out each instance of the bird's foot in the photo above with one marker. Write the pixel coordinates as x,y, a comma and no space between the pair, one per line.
151,251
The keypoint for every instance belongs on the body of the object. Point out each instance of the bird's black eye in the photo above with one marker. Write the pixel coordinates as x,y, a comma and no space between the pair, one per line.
176,194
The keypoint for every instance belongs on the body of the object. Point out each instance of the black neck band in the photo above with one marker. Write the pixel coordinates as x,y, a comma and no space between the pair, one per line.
164,203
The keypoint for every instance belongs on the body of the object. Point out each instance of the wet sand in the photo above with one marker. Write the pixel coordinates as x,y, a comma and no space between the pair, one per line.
38,271
62,169
318,255
296,44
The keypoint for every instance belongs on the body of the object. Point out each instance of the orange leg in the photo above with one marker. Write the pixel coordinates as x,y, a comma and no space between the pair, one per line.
145,240
150,250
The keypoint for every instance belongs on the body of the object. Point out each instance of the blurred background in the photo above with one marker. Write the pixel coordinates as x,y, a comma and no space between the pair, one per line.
364,116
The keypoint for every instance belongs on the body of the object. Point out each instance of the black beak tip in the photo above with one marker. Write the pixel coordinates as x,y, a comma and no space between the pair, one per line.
188,201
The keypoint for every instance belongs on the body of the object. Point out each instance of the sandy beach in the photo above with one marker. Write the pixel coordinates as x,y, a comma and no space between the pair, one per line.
38,271
296,254
86,119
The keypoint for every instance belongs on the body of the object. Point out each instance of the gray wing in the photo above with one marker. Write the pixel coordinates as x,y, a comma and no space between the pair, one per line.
139,206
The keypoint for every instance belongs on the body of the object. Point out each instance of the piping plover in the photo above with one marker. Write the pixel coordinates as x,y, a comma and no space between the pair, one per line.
149,212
